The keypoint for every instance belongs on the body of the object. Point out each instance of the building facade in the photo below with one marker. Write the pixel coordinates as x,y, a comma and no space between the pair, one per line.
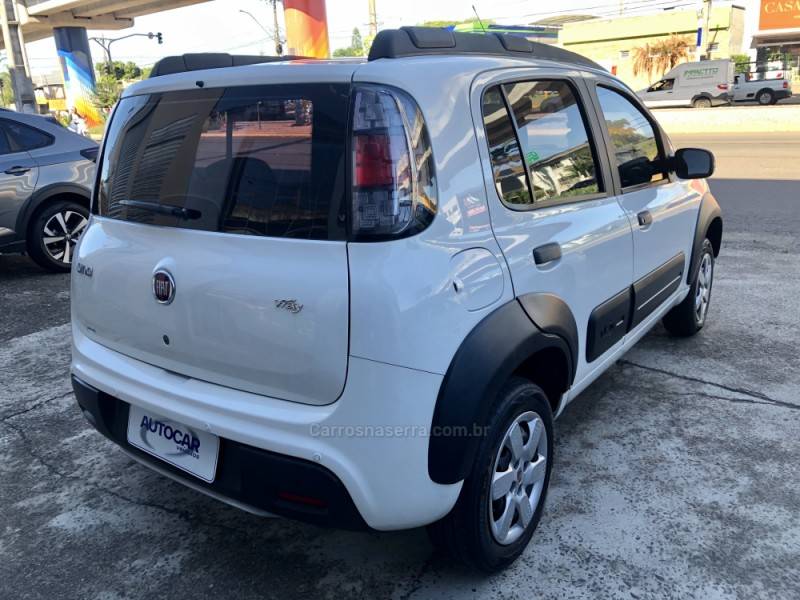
775,26
612,42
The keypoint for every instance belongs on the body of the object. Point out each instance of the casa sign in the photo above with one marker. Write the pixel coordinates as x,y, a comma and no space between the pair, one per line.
780,14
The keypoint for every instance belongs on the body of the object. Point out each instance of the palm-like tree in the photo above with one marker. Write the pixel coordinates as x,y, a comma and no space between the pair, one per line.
662,55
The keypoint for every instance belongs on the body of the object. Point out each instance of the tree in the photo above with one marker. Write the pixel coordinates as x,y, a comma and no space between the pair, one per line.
107,91
661,55
120,71
6,90
742,62
356,41
356,47
451,23
349,51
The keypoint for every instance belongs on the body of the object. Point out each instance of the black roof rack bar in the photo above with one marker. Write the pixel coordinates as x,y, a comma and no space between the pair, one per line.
426,41
209,60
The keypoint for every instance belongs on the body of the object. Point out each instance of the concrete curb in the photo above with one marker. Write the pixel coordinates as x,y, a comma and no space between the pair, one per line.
731,119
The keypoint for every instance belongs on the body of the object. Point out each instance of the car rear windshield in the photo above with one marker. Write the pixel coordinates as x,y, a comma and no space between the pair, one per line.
257,160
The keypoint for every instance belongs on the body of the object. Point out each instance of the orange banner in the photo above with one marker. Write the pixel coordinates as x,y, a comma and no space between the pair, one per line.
306,28
780,14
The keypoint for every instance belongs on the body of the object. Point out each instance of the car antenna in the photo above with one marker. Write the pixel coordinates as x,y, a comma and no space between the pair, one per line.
479,18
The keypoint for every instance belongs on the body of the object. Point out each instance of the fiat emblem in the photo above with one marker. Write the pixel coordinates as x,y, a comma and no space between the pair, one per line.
163,286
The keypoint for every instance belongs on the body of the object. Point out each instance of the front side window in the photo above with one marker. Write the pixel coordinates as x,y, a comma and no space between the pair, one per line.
633,139
554,139
662,86
262,160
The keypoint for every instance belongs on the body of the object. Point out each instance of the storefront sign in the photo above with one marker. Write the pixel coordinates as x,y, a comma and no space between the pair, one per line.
780,14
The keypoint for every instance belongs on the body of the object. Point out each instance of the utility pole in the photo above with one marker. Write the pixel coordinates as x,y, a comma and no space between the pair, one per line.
276,29
373,19
703,30
707,31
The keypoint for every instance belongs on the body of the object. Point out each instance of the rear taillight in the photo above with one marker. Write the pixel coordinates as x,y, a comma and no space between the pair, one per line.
394,186
786,85
722,86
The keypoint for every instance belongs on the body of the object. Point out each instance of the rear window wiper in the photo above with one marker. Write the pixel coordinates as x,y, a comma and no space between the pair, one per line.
163,209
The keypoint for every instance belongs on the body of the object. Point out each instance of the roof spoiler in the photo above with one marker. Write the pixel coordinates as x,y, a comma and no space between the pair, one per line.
425,41
210,60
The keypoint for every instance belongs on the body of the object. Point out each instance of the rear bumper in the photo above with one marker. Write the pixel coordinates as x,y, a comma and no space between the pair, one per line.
261,481
783,94
368,450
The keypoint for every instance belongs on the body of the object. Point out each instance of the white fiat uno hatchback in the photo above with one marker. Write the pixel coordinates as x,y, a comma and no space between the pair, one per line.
357,293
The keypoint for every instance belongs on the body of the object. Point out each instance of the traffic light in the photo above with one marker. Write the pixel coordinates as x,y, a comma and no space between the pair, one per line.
160,39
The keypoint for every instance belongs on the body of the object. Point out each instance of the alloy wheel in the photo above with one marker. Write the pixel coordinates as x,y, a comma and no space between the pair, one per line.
703,293
518,477
61,232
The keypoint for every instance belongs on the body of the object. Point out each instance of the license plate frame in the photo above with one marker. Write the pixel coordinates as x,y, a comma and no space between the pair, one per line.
193,451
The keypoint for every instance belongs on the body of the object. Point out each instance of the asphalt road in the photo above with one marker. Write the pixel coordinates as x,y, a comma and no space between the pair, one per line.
676,473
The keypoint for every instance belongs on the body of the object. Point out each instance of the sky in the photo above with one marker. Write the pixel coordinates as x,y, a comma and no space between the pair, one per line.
219,26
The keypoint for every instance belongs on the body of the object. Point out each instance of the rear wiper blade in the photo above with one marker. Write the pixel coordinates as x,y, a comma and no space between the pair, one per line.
163,209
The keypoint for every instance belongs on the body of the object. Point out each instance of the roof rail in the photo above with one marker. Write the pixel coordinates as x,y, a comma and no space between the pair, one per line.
209,60
424,41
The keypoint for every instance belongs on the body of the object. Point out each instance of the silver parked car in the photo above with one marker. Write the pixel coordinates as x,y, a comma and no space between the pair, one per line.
46,174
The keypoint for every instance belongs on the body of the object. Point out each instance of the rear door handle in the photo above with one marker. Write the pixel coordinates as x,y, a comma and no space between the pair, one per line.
547,253
645,218
17,170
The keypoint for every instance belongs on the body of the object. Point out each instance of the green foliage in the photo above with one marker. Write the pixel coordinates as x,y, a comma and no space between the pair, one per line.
7,91
742,62
451,23
349,51
107,91
356,47
120,71
356,41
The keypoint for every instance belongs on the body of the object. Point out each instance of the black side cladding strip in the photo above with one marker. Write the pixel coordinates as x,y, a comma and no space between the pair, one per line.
608,323
653,289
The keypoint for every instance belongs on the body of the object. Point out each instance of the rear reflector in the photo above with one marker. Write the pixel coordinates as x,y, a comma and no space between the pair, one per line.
297,499
722,86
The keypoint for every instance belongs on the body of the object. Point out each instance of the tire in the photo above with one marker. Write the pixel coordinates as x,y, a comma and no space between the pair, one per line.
765,97
701,102
473,532
54,232
688,317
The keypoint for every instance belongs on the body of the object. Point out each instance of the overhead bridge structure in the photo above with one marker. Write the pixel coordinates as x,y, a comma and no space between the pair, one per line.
67,20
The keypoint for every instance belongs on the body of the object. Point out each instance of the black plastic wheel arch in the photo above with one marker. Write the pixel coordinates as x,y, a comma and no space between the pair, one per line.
491,352
709,210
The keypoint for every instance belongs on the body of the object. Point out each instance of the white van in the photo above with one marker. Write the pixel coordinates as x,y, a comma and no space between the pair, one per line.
697,84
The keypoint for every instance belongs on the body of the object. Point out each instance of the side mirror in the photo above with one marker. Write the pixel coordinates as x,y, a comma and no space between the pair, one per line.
693,163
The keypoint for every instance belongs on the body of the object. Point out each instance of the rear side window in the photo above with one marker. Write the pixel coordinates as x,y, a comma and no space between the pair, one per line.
633,139
547,140
256,160
24,138
507,167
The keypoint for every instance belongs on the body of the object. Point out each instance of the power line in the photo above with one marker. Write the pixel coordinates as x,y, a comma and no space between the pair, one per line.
605,9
